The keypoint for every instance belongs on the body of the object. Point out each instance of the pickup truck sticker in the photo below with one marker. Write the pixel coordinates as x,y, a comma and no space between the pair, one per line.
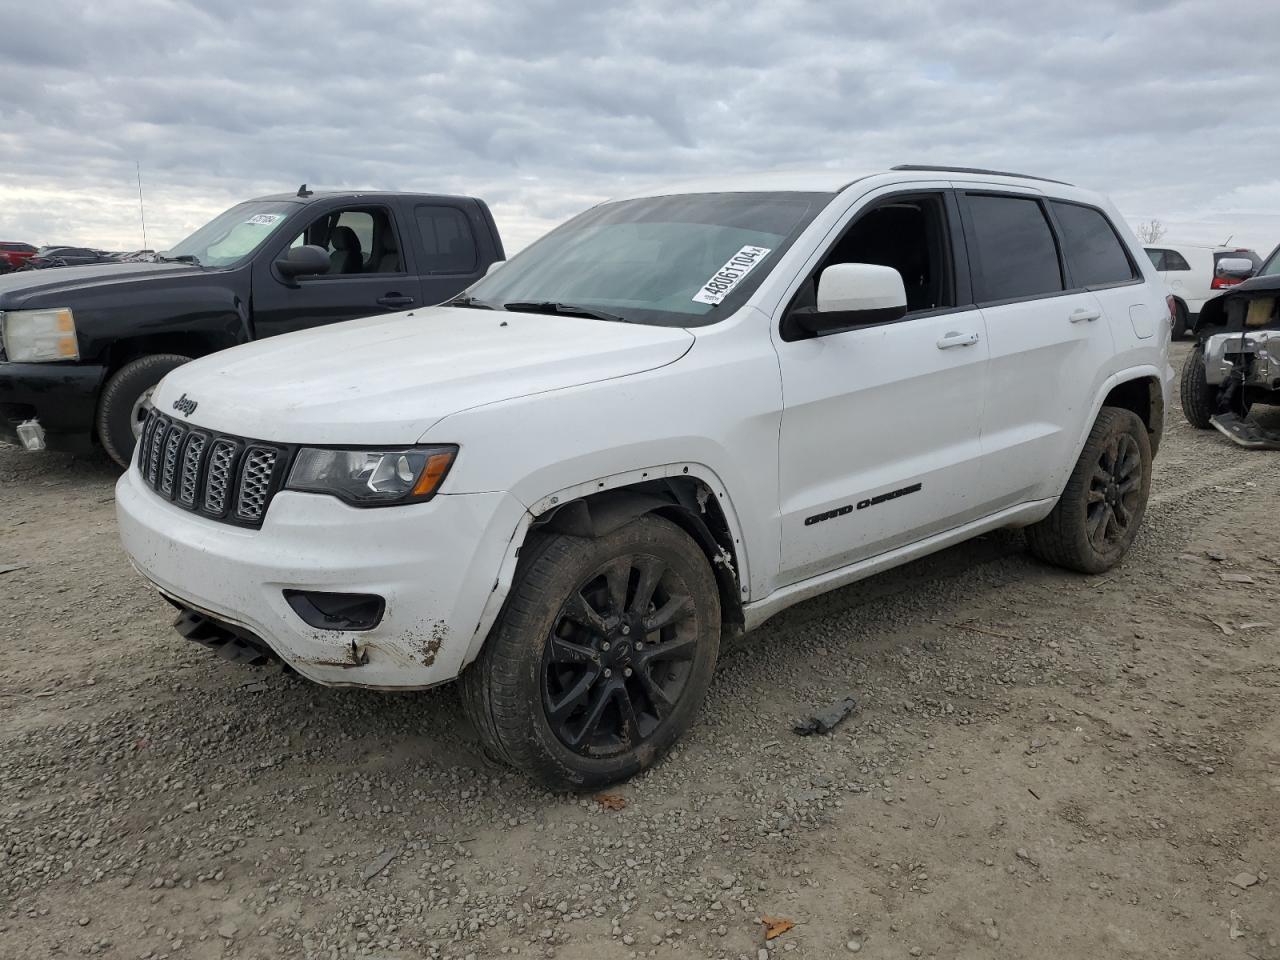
265,219
730,275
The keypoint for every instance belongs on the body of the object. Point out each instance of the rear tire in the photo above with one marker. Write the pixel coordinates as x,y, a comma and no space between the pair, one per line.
1098,515
601,657
1179,320
126,399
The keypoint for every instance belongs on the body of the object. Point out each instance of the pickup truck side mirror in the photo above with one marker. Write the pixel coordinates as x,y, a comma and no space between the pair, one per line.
303,261
1234,268
853,295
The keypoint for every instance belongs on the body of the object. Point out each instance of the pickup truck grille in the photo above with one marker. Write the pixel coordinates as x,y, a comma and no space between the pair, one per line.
226,478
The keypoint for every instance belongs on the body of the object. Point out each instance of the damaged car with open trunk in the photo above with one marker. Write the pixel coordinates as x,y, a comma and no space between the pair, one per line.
1235,364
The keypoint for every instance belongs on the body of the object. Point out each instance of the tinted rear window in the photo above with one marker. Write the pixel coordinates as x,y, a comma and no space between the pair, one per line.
1157,258
448,244
1094,253
1173,260
1015,248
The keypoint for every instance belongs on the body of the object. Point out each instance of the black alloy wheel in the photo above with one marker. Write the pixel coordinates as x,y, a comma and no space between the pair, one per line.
1115,491
1099,513
602,654
619,656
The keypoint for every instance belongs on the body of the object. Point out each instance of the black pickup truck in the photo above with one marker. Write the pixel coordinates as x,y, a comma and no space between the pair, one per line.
82,348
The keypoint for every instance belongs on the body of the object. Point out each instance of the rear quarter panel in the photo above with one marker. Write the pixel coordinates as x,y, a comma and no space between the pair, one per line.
1141,327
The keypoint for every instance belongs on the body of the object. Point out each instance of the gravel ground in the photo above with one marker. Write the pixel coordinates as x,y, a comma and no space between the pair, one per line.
1040,764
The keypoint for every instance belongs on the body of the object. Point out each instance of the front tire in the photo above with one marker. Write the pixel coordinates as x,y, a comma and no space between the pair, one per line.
126,399
601,656
1199,399
1098,515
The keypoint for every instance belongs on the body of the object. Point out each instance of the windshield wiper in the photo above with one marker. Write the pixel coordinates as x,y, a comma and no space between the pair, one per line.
181,258
561,309
471,302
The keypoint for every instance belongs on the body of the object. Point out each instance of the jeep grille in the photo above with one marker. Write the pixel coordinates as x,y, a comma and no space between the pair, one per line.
226,478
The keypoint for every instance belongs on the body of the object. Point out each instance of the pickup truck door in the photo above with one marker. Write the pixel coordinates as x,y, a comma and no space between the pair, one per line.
370,274
880,435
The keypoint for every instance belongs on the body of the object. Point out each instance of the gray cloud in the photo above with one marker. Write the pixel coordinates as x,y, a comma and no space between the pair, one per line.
544,107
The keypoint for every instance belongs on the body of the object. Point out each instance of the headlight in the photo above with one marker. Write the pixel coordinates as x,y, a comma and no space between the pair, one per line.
372,478
34,336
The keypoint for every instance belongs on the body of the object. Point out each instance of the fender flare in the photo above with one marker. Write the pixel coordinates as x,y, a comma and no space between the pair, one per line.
1144,371
612,505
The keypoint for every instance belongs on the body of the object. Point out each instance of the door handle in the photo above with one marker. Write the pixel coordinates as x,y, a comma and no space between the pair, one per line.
395,300
954,338
1083,314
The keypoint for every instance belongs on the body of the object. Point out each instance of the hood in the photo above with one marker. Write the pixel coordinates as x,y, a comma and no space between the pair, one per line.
16,288
388,379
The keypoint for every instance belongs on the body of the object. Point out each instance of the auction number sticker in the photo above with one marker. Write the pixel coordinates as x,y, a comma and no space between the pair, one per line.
265,219
730,275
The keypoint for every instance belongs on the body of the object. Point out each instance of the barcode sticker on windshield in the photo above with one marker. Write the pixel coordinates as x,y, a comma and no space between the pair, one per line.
730,275
265,219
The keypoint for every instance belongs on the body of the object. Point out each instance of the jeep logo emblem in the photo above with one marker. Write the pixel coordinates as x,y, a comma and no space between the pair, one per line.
185,406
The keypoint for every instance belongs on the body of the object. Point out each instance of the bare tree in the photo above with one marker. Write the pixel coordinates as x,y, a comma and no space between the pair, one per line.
1151,231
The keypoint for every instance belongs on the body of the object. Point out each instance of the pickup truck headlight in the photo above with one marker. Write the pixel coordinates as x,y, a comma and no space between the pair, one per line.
35,336
372,478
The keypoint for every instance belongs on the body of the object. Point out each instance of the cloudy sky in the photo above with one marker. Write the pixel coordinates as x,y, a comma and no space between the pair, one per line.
544,107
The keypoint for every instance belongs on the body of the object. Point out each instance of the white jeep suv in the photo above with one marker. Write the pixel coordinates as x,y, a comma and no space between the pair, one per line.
667,420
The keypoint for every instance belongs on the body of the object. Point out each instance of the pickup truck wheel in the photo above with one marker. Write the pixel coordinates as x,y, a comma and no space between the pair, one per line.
1099,513
126,400
601,657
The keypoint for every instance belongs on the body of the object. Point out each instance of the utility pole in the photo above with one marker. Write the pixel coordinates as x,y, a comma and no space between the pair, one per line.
142,211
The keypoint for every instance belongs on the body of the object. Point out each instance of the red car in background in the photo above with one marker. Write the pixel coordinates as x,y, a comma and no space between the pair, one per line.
14,255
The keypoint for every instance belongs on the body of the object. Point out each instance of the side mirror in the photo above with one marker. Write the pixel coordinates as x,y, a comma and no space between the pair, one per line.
303,261
494,266
1234,268
851,295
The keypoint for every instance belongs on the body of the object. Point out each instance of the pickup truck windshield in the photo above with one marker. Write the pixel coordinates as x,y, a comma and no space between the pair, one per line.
233,234
669,261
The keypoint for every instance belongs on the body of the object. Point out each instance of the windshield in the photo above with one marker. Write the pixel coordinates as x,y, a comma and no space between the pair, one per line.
233,234
670,261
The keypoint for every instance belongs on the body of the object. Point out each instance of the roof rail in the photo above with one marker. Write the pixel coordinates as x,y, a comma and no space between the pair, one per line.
926,168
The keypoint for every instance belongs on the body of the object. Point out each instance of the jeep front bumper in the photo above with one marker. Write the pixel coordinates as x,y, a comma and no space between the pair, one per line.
436,564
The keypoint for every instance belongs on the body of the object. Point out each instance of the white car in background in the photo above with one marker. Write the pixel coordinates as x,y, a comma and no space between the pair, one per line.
1192,275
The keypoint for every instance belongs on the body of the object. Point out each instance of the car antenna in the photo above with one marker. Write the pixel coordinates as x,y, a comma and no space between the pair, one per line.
304,192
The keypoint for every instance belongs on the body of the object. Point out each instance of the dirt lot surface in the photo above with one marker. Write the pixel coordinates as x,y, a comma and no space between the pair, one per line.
1040,765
